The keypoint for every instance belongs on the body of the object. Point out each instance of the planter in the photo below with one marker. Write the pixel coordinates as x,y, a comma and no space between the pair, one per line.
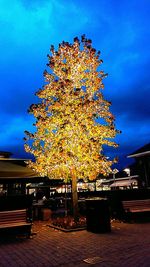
67,224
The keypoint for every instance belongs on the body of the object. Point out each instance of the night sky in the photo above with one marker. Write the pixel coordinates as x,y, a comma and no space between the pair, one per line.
119,29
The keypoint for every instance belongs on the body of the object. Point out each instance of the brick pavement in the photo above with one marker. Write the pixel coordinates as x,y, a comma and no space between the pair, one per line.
128,245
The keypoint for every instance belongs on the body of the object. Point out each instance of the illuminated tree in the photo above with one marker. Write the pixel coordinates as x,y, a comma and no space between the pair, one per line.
73,121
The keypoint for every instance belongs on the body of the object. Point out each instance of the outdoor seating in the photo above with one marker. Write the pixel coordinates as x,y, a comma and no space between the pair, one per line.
135,206
15,220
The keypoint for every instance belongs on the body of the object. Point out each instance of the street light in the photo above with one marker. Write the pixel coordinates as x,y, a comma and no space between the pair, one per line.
114,171
127,170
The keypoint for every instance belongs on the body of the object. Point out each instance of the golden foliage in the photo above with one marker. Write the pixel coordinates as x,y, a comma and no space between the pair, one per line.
67,132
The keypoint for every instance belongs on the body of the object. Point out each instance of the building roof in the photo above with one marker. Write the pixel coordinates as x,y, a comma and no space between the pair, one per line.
143,151
4,154
124,183
16,170
127,178
142,154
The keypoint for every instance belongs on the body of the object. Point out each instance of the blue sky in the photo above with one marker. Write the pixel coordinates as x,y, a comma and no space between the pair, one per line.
119,29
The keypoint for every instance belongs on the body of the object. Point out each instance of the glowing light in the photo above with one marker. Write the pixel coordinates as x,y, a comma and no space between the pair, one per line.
68,140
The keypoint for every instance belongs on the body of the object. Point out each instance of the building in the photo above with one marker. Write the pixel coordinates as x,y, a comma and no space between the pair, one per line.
14,175
142,165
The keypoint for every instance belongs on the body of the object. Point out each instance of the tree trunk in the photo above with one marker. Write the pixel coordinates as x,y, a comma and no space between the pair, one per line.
75,197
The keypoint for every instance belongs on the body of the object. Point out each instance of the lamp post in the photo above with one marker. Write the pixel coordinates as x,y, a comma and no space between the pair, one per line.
114,174
127,170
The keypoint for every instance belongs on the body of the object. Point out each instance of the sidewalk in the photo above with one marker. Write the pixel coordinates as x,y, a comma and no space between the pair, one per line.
128,245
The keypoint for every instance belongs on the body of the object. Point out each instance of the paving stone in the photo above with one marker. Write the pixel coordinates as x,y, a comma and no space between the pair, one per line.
126,245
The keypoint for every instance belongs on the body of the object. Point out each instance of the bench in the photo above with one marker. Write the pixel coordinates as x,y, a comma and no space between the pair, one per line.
136,206
16,220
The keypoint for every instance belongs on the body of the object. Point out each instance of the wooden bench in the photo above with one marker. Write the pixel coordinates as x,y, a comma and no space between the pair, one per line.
139,205
16,220
135,206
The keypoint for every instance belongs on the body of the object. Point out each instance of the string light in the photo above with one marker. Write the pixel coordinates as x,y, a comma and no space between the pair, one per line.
67,134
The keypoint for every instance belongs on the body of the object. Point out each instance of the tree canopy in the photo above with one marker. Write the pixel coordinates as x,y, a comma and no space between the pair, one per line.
73,120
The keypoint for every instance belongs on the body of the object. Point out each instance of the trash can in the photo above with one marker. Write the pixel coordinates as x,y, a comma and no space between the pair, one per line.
46,214
98,215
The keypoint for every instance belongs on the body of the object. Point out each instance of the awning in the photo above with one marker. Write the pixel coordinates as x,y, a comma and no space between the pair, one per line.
124,183
15,171
12,170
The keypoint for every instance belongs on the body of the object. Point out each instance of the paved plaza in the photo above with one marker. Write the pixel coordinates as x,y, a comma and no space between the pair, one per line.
128,245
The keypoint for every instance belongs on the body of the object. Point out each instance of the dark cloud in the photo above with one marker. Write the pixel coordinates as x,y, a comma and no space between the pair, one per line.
133,107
